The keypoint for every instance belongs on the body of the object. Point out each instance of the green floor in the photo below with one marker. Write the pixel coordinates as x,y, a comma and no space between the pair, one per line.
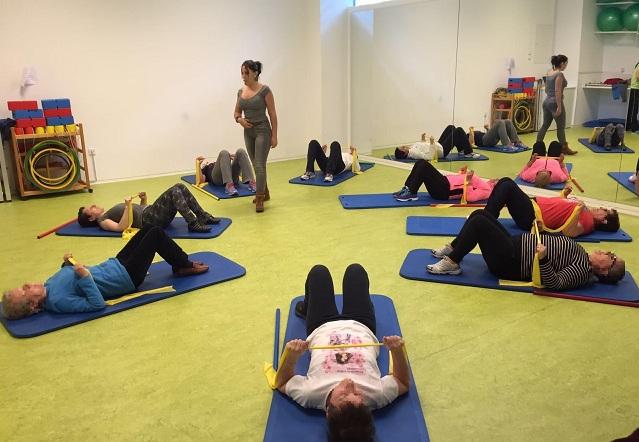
489,365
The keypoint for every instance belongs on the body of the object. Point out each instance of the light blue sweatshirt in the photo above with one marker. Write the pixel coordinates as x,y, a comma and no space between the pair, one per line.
68,293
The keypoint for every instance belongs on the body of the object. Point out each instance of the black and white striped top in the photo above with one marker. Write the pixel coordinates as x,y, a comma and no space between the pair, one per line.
565,266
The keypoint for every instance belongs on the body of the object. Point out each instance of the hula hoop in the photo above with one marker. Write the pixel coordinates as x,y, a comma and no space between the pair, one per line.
63,151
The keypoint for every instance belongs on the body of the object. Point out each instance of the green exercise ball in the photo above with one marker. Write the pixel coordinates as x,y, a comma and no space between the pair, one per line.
610,19
631,18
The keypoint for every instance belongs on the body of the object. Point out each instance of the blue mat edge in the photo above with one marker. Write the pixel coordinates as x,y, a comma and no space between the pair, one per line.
218,191
622,179
338,179
598,149
99,233
90,316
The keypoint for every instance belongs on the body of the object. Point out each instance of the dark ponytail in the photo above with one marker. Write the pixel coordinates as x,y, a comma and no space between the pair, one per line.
557,60
255,66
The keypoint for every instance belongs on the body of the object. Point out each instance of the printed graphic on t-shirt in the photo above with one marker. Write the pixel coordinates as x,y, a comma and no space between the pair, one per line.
344,360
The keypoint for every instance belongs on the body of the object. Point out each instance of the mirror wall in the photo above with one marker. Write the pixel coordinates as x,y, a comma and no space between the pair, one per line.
419,66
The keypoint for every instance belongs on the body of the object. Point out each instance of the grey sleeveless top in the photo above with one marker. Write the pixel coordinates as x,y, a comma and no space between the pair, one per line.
255,107
116,212
550,85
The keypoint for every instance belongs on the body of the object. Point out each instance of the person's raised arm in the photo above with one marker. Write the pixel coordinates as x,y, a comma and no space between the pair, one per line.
294,348
270,107
401,372
121,225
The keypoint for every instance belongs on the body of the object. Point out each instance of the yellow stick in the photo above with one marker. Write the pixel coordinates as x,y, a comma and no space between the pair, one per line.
168,288
205,192
333,347
199,181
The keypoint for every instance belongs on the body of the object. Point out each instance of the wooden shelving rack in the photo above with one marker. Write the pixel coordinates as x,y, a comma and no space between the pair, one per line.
21,144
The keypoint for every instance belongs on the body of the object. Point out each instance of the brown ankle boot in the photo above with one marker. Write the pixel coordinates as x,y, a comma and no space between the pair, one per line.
267,194
567,150
259,202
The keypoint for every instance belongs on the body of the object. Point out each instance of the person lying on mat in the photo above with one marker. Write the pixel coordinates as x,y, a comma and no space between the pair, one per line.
501,131
545,167
336,162
612,135
563,263
226,171
175,199
555,211
451,137
346,383
444,187
76,288
421,150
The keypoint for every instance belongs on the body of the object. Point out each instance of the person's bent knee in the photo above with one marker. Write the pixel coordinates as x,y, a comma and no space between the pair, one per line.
355,268
241,153
179,186
224,155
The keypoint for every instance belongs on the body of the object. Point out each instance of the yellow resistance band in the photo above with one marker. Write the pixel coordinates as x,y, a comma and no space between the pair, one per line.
465,190
128,233
355,168
271,374
200,182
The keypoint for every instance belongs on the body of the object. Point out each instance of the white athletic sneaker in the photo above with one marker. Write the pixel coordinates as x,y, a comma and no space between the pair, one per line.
632,178
307,176
472,155
444,267
328,178
443,251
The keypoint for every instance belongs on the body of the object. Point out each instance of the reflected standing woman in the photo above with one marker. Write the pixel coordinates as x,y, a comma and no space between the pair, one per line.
260,134
553,105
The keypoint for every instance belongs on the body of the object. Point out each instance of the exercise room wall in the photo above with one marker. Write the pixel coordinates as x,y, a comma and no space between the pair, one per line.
156,84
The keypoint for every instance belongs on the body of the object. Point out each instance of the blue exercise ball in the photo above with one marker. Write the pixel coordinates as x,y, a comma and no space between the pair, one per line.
631,18
610,19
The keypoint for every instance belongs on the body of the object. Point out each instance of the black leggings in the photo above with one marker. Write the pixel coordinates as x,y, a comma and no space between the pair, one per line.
175,199
633,107
436,184
137,255
320,298
455,137
498,248
334,164
554,149
508,194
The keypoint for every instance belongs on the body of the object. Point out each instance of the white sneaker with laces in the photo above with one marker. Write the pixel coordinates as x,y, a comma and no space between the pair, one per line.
443,251
632,178
307,176
472,155
328,178
444,267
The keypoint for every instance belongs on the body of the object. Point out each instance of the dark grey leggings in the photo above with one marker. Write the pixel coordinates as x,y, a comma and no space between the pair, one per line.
173,200
550,107
501,130
258,143
226,171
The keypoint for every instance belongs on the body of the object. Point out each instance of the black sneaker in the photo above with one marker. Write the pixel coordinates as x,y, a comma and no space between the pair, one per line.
300,309
207,218
198,227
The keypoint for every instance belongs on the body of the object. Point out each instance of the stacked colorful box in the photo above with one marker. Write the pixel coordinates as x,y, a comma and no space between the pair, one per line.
515,85
57,111
529,85
29,119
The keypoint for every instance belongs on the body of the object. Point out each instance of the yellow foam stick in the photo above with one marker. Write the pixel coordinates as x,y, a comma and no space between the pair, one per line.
355,167
165,289
200,182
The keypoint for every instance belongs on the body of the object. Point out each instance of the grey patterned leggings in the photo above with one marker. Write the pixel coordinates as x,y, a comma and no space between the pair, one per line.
258,143
550,107
175,199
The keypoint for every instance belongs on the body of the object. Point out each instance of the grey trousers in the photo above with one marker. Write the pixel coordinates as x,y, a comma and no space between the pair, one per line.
258,143
227,171
502,131
549,107
612,135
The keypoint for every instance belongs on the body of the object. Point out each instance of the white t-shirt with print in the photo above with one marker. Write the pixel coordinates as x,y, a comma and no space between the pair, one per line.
348,161
423,150
329,367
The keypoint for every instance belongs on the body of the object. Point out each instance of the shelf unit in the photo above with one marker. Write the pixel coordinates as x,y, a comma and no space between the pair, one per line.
507,112
21,144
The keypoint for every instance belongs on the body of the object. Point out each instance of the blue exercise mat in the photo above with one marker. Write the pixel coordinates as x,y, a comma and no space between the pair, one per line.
318,179
220,269
451,225
451,157
386,201
600,149
503,149
178,229
622,178
476,274
401,421
218,191
553,186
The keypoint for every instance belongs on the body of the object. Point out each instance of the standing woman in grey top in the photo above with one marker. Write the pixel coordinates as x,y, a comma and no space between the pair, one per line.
260,135
553,105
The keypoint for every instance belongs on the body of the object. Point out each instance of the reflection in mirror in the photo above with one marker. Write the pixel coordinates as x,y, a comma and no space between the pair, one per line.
402,75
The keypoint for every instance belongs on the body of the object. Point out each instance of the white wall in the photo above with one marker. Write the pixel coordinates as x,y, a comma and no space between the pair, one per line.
490,32
361,78
155,85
